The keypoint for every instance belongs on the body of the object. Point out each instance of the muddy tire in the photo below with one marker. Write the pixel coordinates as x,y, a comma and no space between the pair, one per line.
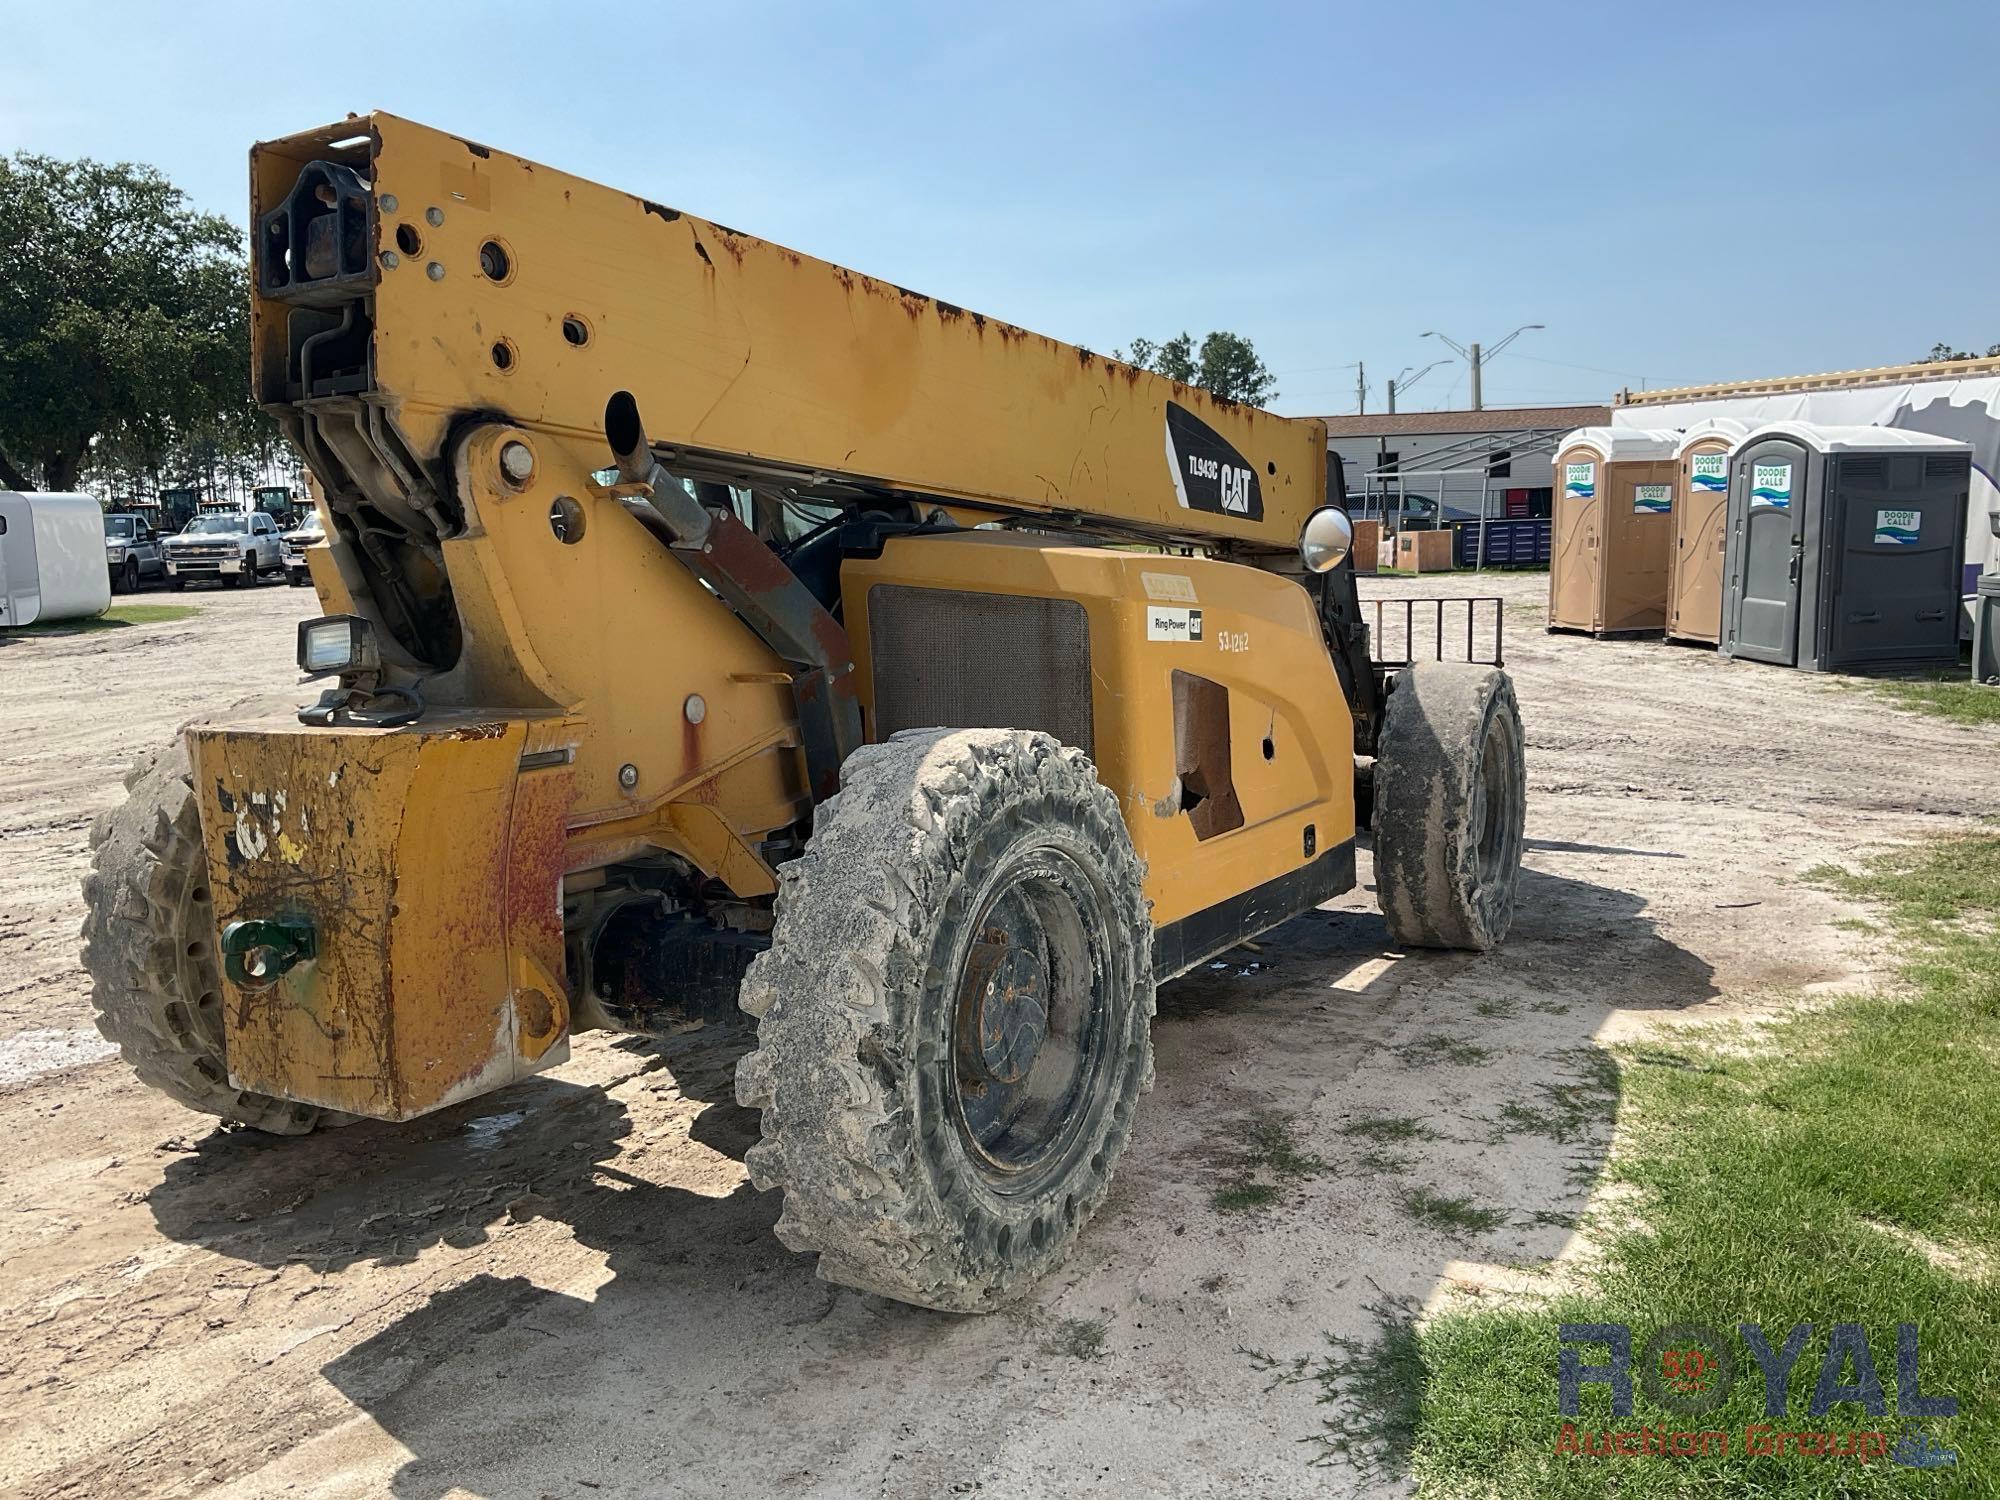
954,1017
149,948
1450,794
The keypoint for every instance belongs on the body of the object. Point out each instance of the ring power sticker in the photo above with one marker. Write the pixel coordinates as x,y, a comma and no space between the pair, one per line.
1898,528
1174,588
1165,623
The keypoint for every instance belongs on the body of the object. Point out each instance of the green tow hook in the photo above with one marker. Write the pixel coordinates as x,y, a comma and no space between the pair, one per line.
257,954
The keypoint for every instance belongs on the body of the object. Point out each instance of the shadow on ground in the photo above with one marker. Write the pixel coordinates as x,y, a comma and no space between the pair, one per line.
702,1357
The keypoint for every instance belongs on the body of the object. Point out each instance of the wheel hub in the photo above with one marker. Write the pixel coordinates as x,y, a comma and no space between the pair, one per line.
1007,1016
1028,1042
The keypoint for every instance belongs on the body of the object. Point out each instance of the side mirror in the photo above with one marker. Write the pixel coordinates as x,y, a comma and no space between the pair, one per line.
1326,540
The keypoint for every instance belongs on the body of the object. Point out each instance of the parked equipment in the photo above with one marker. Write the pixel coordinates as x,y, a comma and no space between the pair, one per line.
52,557
1613,524
832,706
1844,547
132,551
1700,530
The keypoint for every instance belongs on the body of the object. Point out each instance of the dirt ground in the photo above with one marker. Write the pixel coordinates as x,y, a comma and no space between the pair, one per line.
569,1288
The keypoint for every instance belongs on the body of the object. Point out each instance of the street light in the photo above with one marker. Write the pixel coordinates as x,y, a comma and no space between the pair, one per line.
1399,384
1476,360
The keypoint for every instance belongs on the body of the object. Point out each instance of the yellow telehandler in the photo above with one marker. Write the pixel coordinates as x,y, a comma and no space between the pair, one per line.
708,627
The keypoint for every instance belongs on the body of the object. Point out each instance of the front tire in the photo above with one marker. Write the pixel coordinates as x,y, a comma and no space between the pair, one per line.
176,583
954,1017
149,948
1450,791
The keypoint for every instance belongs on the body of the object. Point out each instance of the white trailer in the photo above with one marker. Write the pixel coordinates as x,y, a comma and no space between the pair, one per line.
51,558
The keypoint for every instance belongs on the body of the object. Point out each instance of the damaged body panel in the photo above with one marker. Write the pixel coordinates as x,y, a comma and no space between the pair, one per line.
427,868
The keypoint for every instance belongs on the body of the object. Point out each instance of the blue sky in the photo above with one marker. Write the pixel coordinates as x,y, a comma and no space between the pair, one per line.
1680,193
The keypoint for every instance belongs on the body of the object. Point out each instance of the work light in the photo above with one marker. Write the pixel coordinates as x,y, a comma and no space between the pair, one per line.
337,643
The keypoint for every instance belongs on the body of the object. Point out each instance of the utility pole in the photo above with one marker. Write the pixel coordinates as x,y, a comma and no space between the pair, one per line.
1361,389
1477,360
1392,398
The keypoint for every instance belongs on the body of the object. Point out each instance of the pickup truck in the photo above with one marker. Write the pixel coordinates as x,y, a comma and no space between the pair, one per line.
131,552
308,533
231,546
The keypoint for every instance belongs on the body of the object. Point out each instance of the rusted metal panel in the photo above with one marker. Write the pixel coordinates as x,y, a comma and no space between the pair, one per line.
429,866
737,347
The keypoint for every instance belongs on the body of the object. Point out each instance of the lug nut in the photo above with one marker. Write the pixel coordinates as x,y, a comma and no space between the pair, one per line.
628,775
391,259
696,708
434,271
388,203
434,217
517,461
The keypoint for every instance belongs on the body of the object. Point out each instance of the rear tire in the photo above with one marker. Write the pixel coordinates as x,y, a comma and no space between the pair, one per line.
1450,792
149,948
954,1017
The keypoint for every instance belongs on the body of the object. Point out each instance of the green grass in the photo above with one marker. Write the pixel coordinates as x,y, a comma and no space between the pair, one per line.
1429,1051
115,618
1270,1150
1766,1168
1954,697
1457,1214
1567,1111
1390,1130
1375,1382
1242,1196
1078,1338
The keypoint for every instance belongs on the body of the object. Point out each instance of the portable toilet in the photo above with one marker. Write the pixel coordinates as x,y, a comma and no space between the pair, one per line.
1844,547
1700,530
52,563
1614,504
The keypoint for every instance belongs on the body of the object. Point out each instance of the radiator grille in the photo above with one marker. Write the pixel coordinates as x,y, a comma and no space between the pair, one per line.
949,658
